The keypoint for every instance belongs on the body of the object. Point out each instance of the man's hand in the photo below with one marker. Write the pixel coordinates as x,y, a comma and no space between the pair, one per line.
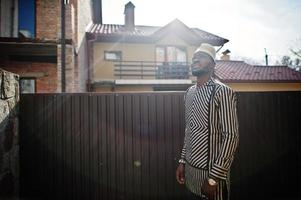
208,190
180,173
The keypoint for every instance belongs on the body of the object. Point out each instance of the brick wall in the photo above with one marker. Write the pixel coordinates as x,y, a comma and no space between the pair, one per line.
46,80
47,19
48,26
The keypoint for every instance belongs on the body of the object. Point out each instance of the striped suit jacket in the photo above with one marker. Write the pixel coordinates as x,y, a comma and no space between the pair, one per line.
211,131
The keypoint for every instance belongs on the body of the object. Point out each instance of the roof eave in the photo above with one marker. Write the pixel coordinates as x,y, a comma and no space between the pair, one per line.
121,38
258,81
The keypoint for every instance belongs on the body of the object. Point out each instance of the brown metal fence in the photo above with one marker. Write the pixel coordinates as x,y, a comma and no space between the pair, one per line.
126,146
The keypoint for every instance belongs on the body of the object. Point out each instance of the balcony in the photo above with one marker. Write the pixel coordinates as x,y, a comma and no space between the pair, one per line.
151,70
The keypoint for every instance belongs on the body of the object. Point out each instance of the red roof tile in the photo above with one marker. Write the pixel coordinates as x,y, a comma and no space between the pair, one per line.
116,29
239,71
151,31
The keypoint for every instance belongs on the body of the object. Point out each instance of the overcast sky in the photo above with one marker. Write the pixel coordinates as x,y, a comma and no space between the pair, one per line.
250,25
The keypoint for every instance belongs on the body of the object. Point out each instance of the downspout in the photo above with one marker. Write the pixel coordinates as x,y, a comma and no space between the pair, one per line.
220,48
63,47
90,42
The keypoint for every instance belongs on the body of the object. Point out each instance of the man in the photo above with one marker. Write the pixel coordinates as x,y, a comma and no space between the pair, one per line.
211,133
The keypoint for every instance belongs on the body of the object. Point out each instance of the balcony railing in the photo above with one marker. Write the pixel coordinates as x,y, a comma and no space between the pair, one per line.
151,70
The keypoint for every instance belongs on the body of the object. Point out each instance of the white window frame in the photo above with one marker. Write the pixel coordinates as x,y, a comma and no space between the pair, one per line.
32,82
118,55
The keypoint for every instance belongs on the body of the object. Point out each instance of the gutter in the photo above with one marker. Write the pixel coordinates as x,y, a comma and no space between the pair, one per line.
90,41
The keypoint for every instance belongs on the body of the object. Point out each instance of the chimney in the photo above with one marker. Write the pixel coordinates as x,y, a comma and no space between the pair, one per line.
129,16
97,12
266,57
226,55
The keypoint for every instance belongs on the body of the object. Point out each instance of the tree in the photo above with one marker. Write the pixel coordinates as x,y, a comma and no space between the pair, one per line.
286,60
297,62
295,51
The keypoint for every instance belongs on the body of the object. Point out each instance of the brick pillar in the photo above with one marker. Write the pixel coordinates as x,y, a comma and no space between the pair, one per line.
59,69
70,62
69,21
69,69
76,74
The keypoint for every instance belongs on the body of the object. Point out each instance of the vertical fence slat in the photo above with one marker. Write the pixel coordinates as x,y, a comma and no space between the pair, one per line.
137,146
64,122
120,144
126,146
94,150
77,146
177,143
111,146
67,143
161,159
145,145
153,147
25,134
168,138
129,159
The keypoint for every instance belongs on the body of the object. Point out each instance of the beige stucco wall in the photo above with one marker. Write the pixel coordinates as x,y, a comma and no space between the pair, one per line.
265,86
103,69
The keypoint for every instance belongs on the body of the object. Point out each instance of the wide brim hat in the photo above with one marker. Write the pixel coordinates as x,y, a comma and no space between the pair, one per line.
207,49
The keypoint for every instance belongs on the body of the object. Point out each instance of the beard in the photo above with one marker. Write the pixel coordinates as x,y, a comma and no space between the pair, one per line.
200,72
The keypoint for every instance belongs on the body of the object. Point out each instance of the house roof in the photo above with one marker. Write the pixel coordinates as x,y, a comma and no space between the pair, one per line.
192,35
239,71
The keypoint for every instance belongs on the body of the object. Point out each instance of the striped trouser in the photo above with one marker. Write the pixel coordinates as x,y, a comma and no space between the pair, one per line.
194,178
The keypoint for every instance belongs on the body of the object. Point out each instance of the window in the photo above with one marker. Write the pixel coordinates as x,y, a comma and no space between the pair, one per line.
160,54
113,55
27,18
27,85
171,54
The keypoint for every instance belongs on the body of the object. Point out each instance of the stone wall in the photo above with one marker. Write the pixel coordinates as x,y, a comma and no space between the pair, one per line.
9,144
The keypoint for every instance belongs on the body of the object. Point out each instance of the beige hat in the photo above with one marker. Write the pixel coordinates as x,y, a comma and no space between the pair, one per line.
208,49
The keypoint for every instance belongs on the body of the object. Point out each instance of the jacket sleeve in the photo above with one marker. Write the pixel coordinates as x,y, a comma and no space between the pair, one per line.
183,152
228,125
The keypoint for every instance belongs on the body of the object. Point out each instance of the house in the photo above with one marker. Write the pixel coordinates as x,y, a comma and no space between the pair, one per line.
132,57
33,45
244,77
